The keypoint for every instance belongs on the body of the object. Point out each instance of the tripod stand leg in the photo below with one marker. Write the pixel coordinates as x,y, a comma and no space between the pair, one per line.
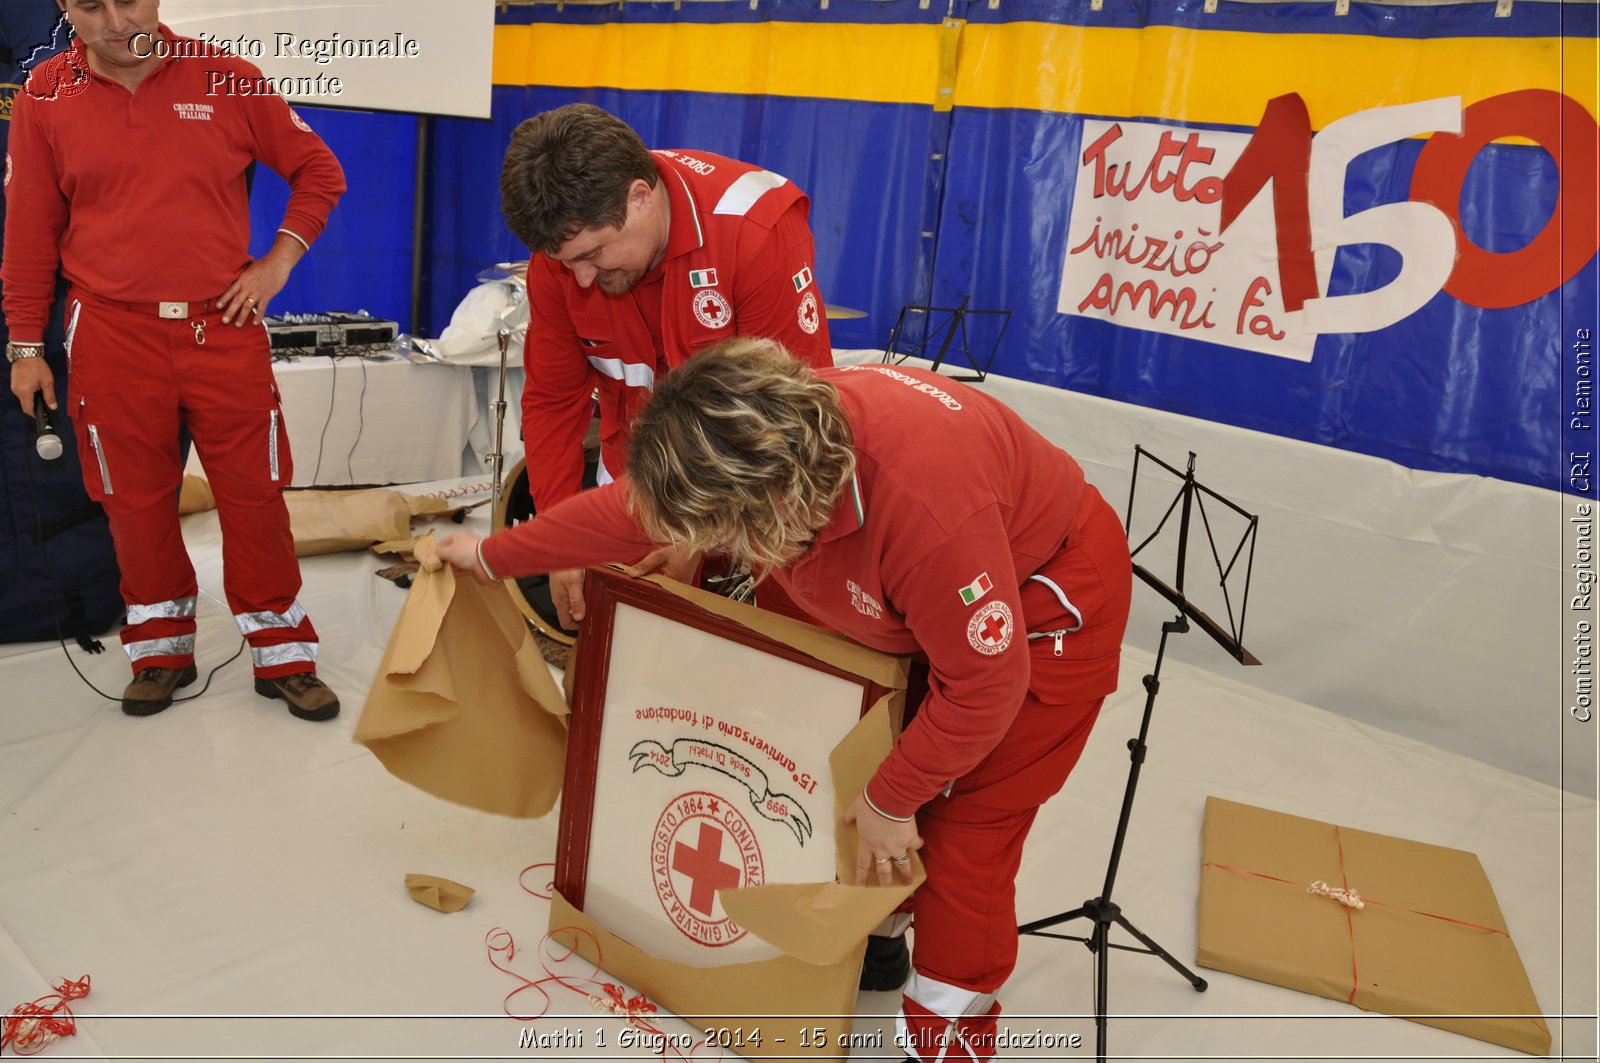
1149,943
1102,990
1054,920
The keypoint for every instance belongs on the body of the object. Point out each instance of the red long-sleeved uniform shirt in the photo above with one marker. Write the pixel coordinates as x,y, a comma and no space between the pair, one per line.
141,196
738,263
955,504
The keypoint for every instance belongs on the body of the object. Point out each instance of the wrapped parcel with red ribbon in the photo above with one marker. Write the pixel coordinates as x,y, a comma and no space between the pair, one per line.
1386,924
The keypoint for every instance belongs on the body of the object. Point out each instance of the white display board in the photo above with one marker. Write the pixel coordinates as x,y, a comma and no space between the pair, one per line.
421,56
712,773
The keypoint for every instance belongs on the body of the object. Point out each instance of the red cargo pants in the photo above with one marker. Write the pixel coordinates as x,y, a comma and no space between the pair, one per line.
134,378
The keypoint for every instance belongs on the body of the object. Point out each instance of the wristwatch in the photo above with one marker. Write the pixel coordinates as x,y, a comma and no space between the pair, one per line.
15,351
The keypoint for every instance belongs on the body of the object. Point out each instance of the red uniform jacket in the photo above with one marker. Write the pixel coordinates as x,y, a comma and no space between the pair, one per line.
738,263
141,196
956,510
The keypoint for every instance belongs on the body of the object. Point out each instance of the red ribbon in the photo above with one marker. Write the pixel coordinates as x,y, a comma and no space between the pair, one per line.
1349,913
1349,917
27,1028
559,947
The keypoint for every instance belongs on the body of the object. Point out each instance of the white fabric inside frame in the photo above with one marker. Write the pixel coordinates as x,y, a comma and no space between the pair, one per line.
711,773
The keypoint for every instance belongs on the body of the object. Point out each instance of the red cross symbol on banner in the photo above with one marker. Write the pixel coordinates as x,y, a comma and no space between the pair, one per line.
704,866
994,629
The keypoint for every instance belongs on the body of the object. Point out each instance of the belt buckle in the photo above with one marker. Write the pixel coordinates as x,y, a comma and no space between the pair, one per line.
174,311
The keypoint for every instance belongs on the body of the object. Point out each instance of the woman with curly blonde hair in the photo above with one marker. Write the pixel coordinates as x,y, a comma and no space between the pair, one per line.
744,453
917,516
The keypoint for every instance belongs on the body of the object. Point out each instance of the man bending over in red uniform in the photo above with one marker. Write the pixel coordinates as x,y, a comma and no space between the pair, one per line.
917,516
127,173
640,259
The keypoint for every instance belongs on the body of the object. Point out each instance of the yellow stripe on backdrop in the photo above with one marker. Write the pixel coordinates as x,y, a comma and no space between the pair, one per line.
881,64
1196,76
1222,77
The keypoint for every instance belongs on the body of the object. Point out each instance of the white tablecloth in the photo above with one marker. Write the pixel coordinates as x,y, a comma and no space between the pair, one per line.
359,421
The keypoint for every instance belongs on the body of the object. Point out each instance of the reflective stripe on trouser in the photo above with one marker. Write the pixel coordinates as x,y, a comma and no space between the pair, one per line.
177,647
946,1023
136,381
280,643
285,658
160,630
176,609
250,623
965,917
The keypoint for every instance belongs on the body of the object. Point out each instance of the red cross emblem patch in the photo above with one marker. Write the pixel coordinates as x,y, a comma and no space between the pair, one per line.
990,629
712,309
809,314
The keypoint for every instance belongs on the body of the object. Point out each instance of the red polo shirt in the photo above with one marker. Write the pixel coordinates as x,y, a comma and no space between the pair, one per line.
738,262
955,503
140,196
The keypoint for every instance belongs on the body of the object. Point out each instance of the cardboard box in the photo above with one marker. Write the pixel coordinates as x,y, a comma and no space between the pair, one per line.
1429,943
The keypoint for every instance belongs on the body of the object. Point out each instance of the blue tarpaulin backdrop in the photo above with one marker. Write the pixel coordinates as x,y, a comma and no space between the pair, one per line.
960,184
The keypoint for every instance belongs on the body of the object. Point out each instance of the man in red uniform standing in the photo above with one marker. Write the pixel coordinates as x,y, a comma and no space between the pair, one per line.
640,259
917,516
124,170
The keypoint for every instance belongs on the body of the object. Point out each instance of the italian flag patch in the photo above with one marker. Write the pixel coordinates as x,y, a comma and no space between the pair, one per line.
702,278
976,589
802,279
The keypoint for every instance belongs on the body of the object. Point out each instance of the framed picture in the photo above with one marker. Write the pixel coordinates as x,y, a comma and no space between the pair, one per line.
697,761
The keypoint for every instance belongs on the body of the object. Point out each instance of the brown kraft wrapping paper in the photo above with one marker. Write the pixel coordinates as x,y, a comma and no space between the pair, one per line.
1430,943
463,705
328,522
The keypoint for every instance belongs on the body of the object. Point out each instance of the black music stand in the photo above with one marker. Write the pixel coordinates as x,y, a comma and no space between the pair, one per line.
945,332
1101,910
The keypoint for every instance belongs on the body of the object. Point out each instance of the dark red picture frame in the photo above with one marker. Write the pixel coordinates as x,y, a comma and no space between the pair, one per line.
604,589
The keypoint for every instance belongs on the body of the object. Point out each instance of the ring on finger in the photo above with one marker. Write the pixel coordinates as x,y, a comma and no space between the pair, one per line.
902,860
880,860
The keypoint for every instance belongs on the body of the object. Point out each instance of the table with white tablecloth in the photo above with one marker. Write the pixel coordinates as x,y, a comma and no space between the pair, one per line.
366,421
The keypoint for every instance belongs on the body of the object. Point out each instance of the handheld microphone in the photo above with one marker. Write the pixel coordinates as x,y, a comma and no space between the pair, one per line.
48,444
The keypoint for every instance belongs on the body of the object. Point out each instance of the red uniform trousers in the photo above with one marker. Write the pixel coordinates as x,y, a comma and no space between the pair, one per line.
134,379
965,913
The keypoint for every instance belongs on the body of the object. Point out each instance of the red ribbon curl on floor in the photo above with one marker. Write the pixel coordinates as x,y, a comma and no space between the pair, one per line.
28,1028
559,949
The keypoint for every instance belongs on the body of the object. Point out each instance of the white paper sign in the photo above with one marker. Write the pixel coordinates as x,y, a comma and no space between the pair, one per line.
712,774
386,55
1144,250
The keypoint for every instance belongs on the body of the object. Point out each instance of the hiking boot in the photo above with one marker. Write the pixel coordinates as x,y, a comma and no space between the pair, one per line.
308,697
151,690
886,965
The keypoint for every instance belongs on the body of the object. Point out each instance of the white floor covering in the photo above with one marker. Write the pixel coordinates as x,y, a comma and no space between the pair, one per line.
231,878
